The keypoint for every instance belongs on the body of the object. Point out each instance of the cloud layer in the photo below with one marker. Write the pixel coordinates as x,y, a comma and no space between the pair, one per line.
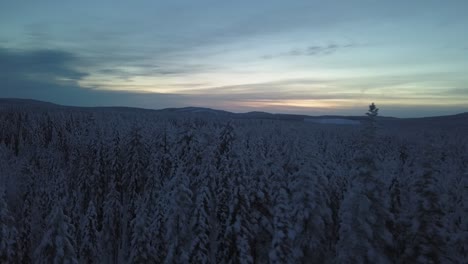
301,56
53,75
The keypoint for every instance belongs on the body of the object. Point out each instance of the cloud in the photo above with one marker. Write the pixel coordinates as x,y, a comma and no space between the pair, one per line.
42,65
58,76
335,95
126,71
53,75
455,92
313,50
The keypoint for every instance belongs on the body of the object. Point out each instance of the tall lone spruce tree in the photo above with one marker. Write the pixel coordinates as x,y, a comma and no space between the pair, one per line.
364,237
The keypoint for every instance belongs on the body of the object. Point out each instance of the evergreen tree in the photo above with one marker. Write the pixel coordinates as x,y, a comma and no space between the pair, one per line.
136,164
157,229
90,237
200,226
428,243
396,225
457,219
364,236
8,233
178,221
111,225
25,222
282,247
311,215
226,141
371,122
141,248
239,233
222,196
134,180
57,245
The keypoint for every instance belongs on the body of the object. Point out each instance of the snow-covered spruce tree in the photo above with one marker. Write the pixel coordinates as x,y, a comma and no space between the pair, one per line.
239,231
75,212
166,161
220,165
157,228
364,237
116,162
222,196
40,210
187,140
141,248
25,222
57,245
178,221
90,237
111,224
226,140
457,219
87,176
8,233
396,226
371,123
200,251
134,180
282,250
328,177
428,237
308,208
311,213
190,150
336,189
136,164
102,176
261,204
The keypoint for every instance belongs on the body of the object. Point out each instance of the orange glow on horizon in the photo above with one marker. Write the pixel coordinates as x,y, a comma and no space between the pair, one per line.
306,103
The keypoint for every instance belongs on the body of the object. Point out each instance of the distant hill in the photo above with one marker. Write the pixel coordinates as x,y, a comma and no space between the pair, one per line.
196,110
25,102
430,122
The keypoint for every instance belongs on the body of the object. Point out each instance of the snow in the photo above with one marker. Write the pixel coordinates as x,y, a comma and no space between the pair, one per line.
91,185
333,121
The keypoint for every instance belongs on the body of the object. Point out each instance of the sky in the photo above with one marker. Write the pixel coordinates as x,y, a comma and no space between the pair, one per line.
300,56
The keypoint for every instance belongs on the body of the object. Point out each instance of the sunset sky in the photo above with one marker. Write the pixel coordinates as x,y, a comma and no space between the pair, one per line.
306,56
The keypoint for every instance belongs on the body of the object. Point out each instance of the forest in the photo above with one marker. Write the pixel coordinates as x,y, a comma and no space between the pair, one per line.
84,185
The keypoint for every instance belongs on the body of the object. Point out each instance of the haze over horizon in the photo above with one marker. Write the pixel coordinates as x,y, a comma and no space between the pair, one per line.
304,57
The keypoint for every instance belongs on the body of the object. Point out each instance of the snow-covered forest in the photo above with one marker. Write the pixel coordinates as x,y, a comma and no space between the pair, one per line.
121,186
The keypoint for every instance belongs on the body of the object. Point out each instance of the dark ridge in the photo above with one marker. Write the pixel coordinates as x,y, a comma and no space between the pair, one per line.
20,103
